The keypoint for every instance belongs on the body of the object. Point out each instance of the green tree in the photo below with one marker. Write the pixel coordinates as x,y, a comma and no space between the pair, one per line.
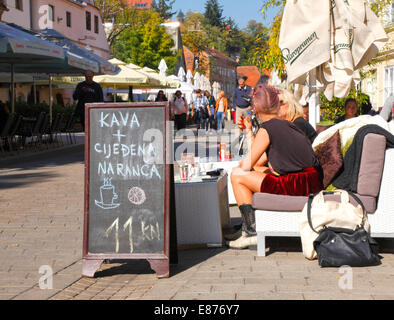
181,16
234,38
255,38
163,8
146,43
198,34
213,13
119,14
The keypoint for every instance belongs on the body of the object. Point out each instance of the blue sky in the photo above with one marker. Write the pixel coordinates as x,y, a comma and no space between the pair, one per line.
241,11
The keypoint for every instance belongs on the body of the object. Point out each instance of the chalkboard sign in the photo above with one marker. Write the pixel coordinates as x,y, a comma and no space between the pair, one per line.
126,185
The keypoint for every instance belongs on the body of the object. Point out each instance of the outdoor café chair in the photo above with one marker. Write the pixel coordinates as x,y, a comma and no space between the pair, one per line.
5,137
12,138
44,130
35,130
55,128
69,128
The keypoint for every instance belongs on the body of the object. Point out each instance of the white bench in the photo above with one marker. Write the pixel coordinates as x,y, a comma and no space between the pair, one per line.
278,216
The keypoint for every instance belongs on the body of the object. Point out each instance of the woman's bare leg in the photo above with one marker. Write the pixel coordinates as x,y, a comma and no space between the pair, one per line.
245,184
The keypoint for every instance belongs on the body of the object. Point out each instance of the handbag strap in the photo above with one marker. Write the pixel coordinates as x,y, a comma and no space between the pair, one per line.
310,199
362,207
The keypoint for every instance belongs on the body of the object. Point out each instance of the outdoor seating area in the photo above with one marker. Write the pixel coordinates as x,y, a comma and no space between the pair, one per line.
23,134
278,215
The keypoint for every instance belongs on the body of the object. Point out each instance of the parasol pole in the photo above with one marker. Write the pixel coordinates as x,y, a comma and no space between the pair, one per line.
12,88
35,92
50,99
314,113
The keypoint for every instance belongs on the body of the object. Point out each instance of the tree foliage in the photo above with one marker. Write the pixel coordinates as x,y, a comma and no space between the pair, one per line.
146,43
181,16
336,107
119,14
198,34
213,13
163,8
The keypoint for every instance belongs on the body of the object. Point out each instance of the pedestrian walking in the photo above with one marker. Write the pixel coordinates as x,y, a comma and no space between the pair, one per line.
179,109
87,91
161,96
199,110
211,110
221,111
242,99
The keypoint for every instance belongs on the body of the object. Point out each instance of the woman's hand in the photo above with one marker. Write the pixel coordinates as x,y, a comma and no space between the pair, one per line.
245,124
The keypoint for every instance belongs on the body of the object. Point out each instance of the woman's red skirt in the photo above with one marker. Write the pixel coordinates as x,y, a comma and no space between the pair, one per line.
293,184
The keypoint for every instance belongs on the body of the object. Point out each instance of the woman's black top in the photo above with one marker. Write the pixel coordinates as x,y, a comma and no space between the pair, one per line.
290,150
306,127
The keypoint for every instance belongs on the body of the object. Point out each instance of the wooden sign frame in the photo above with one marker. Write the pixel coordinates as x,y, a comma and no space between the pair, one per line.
159,262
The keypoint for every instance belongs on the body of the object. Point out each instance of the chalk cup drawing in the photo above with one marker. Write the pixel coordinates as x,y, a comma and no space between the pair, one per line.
136,196
107,196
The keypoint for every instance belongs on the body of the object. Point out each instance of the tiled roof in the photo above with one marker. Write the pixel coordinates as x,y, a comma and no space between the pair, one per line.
253,74
218,54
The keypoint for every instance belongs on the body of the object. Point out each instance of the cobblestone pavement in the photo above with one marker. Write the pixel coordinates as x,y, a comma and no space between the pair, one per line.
41,223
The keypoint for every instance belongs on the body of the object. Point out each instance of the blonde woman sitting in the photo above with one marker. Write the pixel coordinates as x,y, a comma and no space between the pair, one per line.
292,111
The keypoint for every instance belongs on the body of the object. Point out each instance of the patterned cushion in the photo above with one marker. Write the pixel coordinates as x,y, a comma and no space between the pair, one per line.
330,157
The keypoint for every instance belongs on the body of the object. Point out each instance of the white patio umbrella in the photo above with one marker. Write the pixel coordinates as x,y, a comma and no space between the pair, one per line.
186,89
202,82
197,80
205,84
216,89
275,80
325,44
163,67
189,77
181,74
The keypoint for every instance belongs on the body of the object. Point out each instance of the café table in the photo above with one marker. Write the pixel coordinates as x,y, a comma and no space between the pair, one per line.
202,210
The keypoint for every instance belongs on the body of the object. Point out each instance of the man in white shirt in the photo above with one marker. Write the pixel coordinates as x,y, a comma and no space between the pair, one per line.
199,110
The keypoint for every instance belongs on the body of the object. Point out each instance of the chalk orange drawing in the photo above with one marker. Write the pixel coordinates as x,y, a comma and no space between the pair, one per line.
136,196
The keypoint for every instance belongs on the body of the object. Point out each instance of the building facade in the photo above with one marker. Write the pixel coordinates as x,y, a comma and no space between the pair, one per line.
379,84
217,68
220,68
18,12
140,4
77,20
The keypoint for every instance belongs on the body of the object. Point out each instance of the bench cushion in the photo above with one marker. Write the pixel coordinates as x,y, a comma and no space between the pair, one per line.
274,202
371,166
369,180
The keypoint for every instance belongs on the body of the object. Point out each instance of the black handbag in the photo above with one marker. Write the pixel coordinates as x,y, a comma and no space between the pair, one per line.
338,247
